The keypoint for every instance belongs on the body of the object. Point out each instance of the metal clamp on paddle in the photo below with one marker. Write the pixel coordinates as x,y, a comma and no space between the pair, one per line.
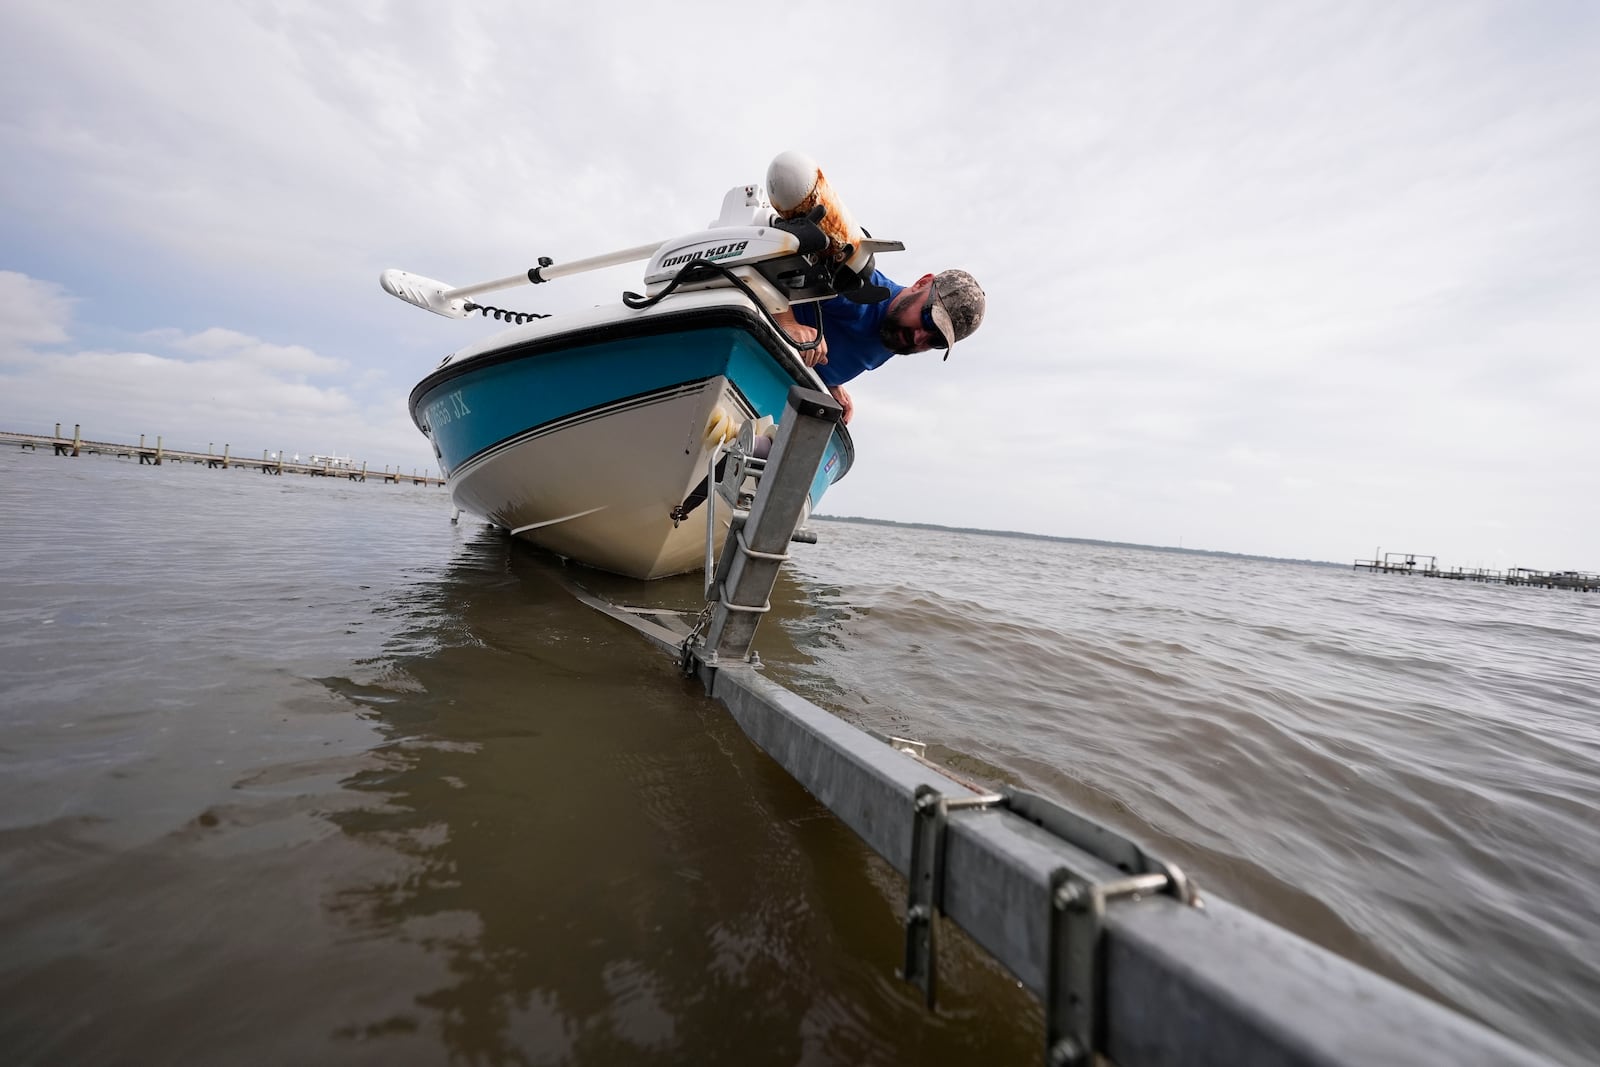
535,274
925,889
1075,1021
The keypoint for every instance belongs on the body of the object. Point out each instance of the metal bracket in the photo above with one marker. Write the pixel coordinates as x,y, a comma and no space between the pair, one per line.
744,549
925,883
1074,1012
722,601
742,464
713,488
1075,1025
1074,1019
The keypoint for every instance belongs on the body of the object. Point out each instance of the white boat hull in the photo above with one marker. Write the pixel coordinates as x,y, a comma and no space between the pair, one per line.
588,491
583,440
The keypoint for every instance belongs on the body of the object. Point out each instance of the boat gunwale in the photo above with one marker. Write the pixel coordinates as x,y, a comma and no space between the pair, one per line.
718,314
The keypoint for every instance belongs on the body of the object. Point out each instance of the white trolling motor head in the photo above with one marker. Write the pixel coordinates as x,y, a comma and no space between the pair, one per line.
744,233
801,245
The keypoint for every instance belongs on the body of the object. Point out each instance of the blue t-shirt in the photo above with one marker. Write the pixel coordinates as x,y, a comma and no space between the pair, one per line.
851,331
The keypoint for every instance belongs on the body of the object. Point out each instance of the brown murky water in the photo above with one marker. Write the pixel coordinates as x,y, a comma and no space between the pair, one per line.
300,772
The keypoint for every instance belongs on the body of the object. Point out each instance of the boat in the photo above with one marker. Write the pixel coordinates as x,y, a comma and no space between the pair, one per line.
587,432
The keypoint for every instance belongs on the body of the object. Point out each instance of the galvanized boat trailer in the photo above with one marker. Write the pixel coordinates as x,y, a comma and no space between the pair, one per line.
1131,967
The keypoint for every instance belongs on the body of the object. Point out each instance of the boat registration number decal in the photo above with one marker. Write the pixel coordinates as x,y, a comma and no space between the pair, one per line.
446,409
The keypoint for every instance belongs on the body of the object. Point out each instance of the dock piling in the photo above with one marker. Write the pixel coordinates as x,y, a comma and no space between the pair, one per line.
1407,563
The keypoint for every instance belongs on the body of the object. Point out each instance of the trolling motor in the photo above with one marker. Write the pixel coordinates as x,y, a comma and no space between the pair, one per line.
800,245
799,189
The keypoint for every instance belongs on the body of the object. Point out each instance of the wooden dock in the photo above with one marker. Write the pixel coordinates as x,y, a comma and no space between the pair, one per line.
155,455
1412,563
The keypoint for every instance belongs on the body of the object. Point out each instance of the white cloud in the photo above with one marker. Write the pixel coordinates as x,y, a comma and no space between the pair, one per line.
240,349
243,391
31,311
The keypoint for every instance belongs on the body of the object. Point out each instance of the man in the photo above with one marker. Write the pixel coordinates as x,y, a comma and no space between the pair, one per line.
935,311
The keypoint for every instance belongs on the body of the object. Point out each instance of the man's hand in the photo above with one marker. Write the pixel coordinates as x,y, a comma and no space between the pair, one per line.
813,356
838,393
801,334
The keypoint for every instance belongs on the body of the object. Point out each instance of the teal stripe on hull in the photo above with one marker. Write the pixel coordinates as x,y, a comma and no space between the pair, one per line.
479,408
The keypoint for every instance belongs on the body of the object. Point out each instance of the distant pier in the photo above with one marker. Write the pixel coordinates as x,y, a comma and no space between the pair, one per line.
1428,567
156,454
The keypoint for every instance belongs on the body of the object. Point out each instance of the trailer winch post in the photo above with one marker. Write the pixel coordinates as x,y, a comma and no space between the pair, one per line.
757,546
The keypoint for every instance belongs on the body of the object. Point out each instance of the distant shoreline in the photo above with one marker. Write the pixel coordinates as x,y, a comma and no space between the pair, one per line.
1076,540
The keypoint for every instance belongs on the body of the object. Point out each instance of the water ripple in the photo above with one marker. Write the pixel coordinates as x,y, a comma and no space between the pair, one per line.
1419,758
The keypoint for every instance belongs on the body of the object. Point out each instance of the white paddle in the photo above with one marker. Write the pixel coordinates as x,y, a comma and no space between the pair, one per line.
450,301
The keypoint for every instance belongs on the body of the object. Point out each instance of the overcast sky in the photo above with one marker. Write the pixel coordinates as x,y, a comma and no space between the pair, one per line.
1297,279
